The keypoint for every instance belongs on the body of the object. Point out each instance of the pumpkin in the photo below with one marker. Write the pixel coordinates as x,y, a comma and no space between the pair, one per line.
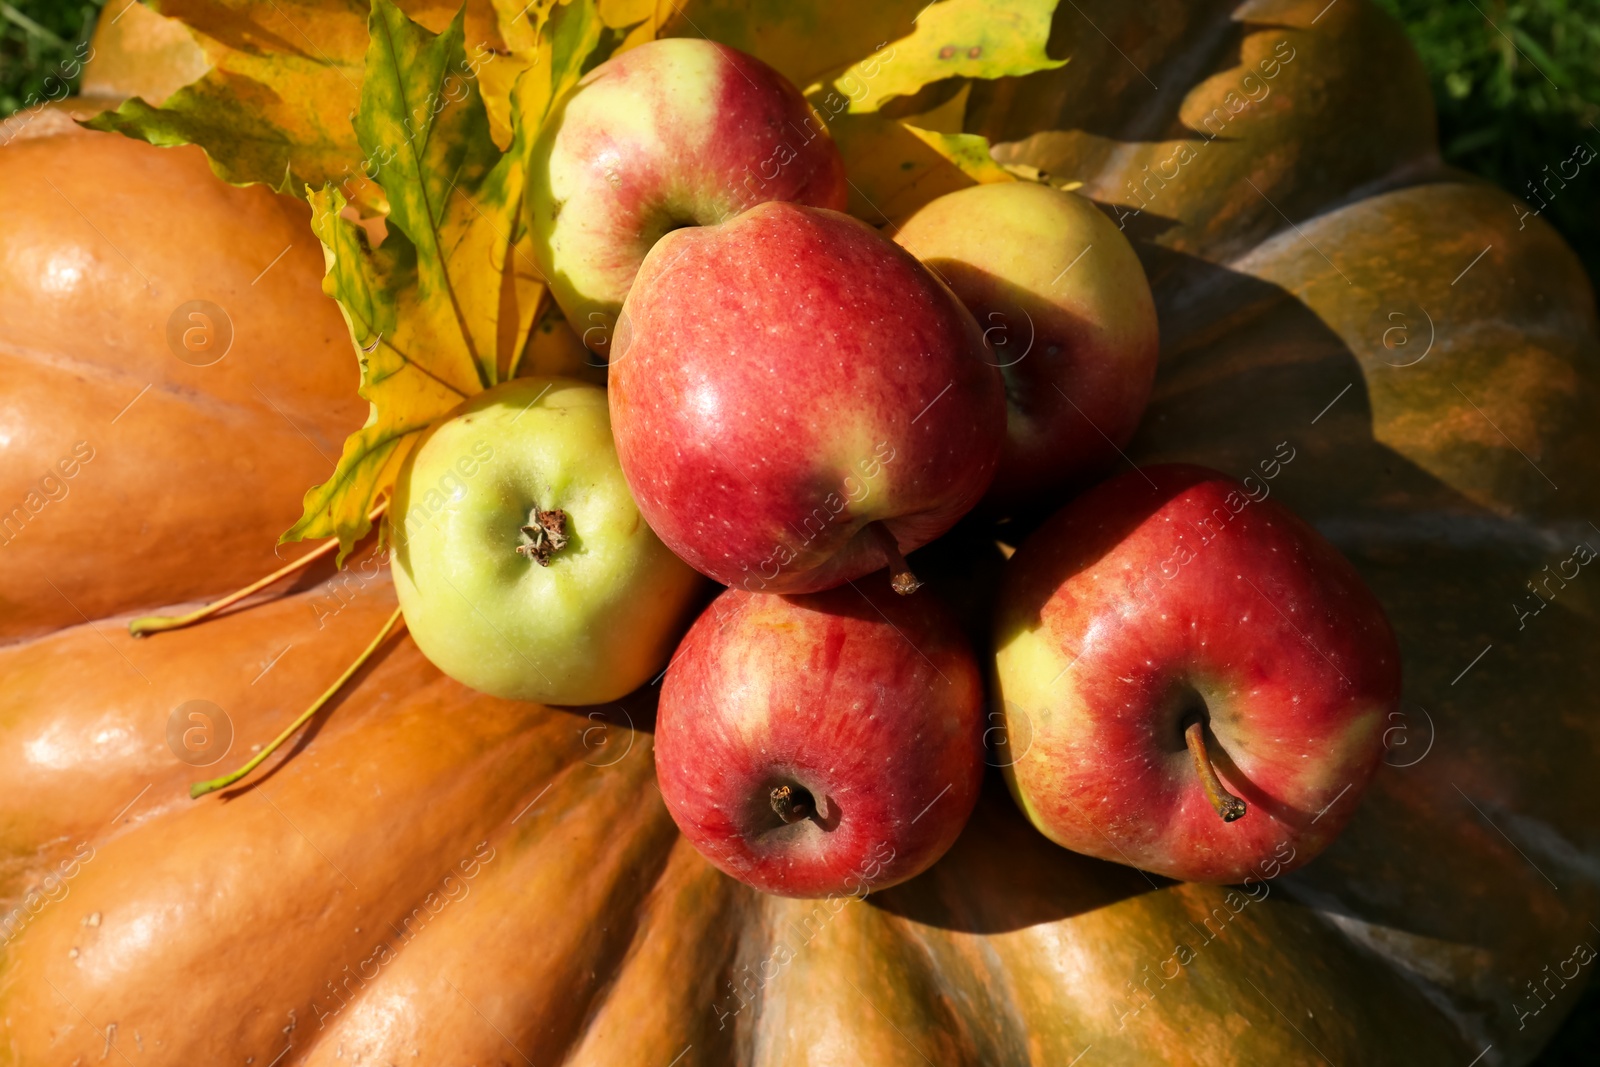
434,876
122,483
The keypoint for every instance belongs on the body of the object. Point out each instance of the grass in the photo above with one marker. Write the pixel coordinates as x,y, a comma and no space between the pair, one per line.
42,46
1517,87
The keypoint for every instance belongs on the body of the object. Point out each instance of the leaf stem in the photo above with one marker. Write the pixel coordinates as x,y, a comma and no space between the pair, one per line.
155,624
200,789
1226,804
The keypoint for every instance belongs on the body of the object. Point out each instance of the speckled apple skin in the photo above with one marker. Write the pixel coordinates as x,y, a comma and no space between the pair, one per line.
675,132
1137,592
788,377
871,701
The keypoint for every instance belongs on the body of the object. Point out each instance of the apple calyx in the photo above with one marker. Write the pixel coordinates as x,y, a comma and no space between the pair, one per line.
792,803
1228,806
546,533
901,580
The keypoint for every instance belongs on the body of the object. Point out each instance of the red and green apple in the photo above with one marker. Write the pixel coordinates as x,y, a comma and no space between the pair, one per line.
1191,677
797,401
822,744
676,132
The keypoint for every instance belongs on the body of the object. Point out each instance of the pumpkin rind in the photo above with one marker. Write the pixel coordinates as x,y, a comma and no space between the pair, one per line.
195,470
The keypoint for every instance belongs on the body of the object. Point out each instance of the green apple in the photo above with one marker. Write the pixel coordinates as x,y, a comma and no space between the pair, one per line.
522,563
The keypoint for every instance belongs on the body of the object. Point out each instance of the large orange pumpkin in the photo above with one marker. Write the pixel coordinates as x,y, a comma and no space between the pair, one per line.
435,877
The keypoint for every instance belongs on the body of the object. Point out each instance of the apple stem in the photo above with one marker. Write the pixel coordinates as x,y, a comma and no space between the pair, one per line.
155,624
1228,806
900,577
791,803
200,789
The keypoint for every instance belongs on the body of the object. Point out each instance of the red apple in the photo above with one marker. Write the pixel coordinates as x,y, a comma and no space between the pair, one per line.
1194,681
1067,311
676,132
797,400
824,744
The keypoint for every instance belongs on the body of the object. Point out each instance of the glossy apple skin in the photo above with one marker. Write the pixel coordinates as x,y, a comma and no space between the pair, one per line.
1065,305
870,701
1134,599
676,132
787,377
595,624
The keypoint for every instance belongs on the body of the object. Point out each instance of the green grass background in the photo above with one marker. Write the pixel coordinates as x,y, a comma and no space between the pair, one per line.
39,39
1517,86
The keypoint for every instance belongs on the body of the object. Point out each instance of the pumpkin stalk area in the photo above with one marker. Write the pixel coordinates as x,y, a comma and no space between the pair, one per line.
1227,805
901,580
200,789
155,624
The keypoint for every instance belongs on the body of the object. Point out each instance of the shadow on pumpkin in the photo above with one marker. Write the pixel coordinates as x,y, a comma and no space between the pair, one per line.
1245,366
608,732
1003,875
1127,81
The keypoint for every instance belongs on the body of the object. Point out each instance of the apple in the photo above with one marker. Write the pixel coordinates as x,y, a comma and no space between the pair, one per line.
1193,681
797,401
1067,311
823,744
676,132
522,564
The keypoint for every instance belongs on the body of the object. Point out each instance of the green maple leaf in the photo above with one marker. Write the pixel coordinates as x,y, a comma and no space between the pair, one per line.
440,309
